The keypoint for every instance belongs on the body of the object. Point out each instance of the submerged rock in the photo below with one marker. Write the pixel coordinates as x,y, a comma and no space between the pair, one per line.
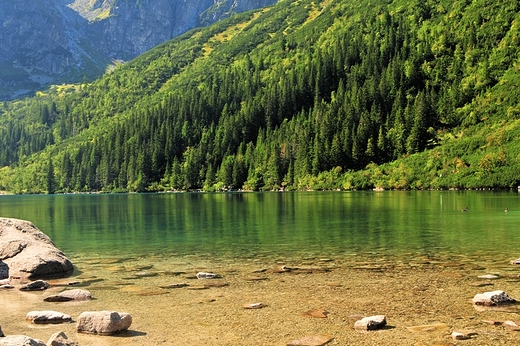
60,339
103,322
38,285
315,340
202,275
492,298
65,296
371,323
319,313
47,317
489,277
462,335
20,340
26,252
511,325
253,306
428,328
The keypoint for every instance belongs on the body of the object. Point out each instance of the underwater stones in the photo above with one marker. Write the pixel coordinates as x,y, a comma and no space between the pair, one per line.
103,322
176,285
203,275
253,306
256,278
20,340
145,274
47,317
515,262
314,340
283,269
428,328
318,313
65,296
488,277
38,285
511,325
492,298
370,323
462,335
60,339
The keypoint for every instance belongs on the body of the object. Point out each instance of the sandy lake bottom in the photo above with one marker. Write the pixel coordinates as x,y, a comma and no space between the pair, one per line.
423,298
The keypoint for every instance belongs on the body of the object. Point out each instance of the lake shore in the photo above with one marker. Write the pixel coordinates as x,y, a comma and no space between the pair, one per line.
411,291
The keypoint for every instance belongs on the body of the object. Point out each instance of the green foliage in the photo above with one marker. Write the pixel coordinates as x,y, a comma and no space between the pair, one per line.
303,95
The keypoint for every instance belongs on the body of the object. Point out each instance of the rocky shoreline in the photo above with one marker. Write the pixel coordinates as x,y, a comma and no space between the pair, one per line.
279,301
27,253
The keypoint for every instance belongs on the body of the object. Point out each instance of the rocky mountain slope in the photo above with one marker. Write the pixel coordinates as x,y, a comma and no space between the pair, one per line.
57,41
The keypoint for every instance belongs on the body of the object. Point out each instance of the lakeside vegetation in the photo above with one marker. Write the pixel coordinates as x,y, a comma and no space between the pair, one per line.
302,95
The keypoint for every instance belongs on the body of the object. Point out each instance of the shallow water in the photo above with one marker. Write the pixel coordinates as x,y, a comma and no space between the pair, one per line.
124,247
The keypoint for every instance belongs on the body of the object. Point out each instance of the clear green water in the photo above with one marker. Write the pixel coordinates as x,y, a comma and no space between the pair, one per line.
277,225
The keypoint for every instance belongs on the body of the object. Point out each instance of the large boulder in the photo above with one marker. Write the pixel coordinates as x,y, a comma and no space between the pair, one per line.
27,253
103,322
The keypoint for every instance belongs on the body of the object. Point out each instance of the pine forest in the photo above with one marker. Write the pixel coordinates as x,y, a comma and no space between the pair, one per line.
302,95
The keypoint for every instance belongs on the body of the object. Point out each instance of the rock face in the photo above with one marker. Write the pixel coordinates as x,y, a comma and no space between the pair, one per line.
26,252
47,41
103,322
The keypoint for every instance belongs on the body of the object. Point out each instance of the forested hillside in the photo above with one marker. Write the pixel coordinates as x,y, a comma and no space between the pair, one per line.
302,95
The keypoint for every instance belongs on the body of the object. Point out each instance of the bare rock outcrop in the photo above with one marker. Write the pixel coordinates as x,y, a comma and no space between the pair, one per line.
27,253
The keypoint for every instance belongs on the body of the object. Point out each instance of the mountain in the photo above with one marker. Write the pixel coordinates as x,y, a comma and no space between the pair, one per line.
301,95
60,41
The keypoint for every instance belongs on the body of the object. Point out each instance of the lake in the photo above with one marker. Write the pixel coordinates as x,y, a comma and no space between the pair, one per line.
414,256
267,225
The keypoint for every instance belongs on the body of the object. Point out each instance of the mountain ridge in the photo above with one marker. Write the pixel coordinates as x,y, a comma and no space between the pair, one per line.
60,41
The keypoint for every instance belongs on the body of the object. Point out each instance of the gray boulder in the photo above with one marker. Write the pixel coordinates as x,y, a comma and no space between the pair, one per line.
103,322
20,340
27,253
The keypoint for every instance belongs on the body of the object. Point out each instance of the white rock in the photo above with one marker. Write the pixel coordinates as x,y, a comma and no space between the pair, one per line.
20,340
103,322
371,323
488,277
47,317
202,275
492,298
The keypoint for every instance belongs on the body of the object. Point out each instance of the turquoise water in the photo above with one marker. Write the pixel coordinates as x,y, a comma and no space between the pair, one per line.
271,225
